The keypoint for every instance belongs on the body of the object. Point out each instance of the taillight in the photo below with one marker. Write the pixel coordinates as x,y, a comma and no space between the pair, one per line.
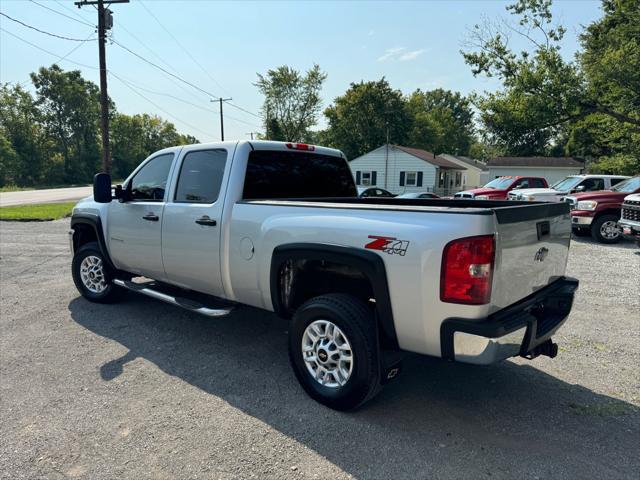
301,146
467,270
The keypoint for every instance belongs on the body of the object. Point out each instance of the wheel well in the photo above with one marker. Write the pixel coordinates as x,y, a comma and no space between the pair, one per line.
611,211
83,234
302,279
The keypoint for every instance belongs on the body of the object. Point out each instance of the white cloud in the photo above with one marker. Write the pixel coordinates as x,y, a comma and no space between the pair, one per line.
400,54
412,55
391,54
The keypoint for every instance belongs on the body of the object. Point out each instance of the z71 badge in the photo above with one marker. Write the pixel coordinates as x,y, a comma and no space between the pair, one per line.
390,245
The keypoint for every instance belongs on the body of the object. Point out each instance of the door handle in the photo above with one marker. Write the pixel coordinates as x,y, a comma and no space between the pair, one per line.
205,220
152,217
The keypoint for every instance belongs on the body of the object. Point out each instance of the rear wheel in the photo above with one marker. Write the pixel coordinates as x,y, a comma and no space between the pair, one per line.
92,277
605,229
333,350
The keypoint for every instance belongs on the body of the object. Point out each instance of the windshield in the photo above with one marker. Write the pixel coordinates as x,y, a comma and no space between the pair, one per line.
566,184
627,186
499,183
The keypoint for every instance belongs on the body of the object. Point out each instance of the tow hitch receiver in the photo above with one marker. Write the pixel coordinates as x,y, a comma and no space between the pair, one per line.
548,349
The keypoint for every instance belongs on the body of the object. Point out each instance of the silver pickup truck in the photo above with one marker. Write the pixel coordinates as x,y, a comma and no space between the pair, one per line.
279,226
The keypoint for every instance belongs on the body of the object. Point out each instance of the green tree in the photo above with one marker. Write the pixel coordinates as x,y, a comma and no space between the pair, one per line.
365,116
70,108
292,102
9,161
547,104
20,121
442,121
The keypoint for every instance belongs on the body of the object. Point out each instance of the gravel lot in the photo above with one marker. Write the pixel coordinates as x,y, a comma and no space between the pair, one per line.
146,390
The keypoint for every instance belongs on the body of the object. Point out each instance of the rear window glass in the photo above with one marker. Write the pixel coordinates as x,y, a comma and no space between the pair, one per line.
277,174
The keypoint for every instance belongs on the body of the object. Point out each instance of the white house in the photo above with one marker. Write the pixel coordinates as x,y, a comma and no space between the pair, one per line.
551,168
403,169
471,178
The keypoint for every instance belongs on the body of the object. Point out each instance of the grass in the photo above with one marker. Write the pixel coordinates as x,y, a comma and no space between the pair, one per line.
40,211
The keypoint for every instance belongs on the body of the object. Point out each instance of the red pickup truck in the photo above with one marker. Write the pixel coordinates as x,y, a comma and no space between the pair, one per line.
598,212
499,188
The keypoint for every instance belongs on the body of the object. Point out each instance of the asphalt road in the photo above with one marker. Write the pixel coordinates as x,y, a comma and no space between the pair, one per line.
44,196
145,390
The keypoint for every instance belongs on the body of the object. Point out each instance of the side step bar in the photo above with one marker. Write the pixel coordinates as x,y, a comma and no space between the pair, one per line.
177,301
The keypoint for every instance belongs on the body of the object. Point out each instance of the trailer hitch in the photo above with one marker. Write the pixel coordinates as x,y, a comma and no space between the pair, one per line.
548,349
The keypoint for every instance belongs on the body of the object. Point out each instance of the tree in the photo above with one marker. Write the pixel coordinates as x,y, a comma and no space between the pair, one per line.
292,102
20,121
9,161
442,121
70,108
366,116
548,104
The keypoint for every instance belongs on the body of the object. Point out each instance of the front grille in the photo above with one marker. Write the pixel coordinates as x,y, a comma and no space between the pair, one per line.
631,210
463,195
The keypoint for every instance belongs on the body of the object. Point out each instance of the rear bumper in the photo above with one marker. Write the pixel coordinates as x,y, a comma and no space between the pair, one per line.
515,330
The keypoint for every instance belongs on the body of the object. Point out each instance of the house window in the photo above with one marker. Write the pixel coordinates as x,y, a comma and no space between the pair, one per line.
366,179
411,179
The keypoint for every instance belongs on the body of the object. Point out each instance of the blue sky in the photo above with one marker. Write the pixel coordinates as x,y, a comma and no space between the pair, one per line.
413,44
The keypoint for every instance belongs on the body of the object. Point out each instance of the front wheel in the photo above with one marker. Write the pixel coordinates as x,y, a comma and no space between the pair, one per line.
92,277
605,229
333,350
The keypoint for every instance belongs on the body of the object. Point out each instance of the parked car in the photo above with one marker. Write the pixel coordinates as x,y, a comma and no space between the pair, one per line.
374,192
279,226
498,188
630,218
418,195
566,186
598,213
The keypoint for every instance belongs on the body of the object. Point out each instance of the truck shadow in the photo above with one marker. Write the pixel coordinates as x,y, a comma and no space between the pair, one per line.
438,419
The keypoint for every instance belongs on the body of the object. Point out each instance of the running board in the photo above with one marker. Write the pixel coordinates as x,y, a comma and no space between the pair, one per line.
177,301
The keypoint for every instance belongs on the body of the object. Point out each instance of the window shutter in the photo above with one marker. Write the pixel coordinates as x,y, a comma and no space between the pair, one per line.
358,177
373,178
402,179
419,184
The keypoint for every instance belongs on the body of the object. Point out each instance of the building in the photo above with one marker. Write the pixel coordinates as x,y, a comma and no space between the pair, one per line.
551,168
403,169
471,178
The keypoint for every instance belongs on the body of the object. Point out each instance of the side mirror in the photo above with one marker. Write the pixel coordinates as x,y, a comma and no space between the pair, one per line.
102,188
579,188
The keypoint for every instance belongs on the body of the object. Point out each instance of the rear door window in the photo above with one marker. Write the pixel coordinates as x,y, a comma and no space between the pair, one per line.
281,174
201,176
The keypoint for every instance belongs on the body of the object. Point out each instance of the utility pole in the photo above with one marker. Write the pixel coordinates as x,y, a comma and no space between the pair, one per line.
221,117
105,22
251,133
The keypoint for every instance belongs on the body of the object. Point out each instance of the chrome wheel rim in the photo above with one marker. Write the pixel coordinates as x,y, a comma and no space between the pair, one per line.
92,274
327,354
610,230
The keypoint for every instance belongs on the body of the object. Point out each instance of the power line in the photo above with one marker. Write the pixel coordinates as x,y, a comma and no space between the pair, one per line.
164,70
60,59
42,31
185,50
134,90
63,14
150,50
72,11
194,59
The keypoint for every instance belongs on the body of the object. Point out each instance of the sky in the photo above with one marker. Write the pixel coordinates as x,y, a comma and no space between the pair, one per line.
219,47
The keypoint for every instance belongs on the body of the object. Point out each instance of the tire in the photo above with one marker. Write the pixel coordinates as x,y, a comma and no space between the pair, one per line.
601,225
581,232
90,258
356,323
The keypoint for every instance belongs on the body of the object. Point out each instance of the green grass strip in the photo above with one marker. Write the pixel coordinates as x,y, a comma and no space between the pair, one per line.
37,212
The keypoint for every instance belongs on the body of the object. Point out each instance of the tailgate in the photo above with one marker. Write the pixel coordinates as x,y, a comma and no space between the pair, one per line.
532,248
